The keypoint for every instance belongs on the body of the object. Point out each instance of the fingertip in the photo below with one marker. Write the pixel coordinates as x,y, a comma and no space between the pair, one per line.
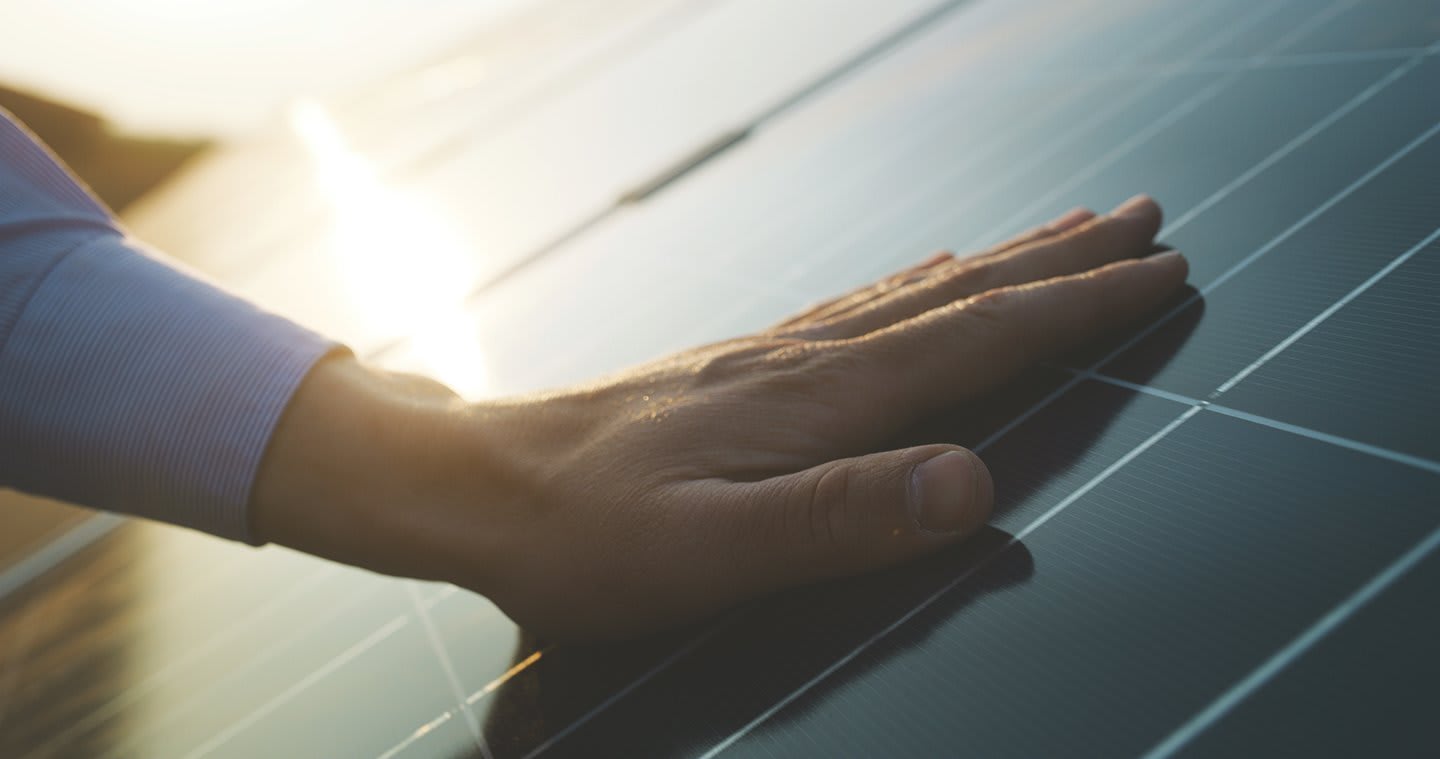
1140,209
1127,231
1165,270
950,494
936,259
1136,205
1071,219
984,503
1172,260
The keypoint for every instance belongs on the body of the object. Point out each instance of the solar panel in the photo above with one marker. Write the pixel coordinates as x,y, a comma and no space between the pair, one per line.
1215,535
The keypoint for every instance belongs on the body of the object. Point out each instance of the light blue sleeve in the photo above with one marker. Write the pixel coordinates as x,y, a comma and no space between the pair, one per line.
127,384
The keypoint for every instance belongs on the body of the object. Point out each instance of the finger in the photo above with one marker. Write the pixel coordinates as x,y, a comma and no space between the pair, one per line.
1127,232
857,514
904,276
936,263
966,348
1064,223
945,263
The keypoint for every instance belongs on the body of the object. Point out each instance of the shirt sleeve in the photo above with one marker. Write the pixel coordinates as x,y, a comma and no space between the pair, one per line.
127,384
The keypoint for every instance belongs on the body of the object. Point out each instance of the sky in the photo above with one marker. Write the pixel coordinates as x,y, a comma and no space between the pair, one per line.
220,68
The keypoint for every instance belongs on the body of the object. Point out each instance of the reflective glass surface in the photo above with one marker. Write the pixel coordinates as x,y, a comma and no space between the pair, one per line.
1216,532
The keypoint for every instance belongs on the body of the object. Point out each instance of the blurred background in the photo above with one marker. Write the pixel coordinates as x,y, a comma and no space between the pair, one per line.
128,92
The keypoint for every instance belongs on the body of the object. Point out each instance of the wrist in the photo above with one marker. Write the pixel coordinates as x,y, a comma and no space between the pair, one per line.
358,463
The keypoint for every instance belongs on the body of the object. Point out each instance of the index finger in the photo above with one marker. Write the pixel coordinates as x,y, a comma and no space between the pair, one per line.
961,350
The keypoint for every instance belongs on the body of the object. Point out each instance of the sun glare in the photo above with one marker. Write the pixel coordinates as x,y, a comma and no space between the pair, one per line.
402,267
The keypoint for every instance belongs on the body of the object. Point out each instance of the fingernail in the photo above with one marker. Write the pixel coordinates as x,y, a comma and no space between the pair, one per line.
935,260
1137,207
1071,219
942,492
1166,255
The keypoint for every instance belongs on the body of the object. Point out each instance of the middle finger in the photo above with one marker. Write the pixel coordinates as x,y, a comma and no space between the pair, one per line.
1127,232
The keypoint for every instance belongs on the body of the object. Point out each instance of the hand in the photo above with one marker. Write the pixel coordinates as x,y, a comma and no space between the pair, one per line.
678,488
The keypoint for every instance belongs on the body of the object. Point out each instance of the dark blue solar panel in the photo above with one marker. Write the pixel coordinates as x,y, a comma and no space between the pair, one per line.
1215,533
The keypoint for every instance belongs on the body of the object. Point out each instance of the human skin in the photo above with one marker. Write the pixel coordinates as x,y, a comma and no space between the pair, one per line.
673,490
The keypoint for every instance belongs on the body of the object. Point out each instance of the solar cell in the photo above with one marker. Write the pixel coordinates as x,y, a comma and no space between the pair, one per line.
1375,26
1304,273
1369,688
1384,338
1159,587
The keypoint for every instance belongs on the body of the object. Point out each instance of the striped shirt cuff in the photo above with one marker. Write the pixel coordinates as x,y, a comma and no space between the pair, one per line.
132,386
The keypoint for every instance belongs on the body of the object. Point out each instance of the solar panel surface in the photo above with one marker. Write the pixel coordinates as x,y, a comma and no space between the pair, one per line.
1216,535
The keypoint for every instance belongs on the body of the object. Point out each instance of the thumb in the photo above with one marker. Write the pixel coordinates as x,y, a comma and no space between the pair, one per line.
853,515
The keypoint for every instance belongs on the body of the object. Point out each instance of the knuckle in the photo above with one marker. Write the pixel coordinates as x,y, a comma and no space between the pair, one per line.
1113,236
1091,307
992,310
749,358
940,262
829,516
979,276
1112,228
807,315
995,321
840,359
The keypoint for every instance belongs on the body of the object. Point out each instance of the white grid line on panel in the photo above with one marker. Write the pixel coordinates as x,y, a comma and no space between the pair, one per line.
1297,647
153,679
295,688
1250,20
1365,95
1390,77
660,666
1017,169
134,740
1257,62
1282,658
466,702
1323,207
828,192
932,598
1012,171
365,644
1370,449
452,677
1290,231
419,733
679,653
1296,142
1157,126
1326,314
1239,266
42,560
